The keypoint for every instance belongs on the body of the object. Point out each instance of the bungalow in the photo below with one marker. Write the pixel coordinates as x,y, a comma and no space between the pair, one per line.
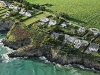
93,47
7,14
44,19
16,7
84,43
66,38
2,4
77,43
81,30
69,39
23,11
52,22
28,14
64,24
11,6
95,31
55,35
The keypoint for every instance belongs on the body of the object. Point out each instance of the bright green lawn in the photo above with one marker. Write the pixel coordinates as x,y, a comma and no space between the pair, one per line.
35,18
87,11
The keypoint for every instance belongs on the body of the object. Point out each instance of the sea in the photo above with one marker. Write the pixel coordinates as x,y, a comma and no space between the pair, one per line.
32,66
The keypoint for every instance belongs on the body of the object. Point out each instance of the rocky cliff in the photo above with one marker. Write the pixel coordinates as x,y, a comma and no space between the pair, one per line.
29,43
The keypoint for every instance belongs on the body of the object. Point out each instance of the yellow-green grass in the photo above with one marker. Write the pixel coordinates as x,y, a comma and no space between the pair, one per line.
4,10
87,11
35,18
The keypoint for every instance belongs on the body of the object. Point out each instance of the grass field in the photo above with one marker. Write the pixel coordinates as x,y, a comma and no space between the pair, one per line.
82,12
35,18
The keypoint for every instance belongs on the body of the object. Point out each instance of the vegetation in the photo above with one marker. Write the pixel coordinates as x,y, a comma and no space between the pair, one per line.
81,12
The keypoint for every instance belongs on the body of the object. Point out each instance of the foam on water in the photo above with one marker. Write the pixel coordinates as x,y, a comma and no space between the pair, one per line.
5,57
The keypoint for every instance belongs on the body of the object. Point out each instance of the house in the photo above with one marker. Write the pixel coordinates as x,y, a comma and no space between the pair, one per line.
55,35
11,6
2,4
44,19
84,43
7,14
93,48
81,30
66,38
95,31
28,14
64,24
23,11
69,39
52,22
69,23
16,7
77,43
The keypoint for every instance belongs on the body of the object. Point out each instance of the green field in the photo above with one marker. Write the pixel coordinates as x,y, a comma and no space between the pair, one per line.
35,18
82,12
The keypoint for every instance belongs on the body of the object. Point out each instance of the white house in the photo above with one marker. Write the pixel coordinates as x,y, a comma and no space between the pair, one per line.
66,38
3,4
11,6
7,13
55,35
77,43
93,47
95,31
44,19
69,39
16,7
84,42
52,22
23,11
81,30
64,24
28,14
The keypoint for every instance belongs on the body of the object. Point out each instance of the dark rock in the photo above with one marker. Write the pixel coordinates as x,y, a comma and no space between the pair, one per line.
6,25
18,44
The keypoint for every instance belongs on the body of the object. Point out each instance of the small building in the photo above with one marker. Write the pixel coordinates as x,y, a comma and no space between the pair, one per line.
81,30
7,14
66,38
95,31
11,6
2,4
64,24
28,14
77,43
23,11
69,39
93,48
55,35
52,22
44,19
84,43
16,7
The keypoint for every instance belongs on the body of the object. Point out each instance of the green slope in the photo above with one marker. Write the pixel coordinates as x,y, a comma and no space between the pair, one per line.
83,12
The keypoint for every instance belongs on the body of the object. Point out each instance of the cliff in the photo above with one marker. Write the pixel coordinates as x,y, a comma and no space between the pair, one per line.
30,42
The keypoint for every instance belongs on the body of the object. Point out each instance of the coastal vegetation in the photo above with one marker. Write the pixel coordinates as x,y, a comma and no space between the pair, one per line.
81,12
40,31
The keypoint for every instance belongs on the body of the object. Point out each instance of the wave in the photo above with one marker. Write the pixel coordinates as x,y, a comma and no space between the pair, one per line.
44,59
5,57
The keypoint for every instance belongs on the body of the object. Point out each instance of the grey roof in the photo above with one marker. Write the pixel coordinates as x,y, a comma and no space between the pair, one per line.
44,19
93,47
55,35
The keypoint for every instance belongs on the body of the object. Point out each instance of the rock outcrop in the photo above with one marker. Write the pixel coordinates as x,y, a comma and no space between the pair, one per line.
5,25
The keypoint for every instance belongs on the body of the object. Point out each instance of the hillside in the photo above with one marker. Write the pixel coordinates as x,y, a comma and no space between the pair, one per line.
82,12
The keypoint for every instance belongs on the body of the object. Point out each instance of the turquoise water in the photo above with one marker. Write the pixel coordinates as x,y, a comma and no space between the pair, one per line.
24,66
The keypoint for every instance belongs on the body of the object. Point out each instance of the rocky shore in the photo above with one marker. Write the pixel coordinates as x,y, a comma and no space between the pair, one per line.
5,25
23,48
52,56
